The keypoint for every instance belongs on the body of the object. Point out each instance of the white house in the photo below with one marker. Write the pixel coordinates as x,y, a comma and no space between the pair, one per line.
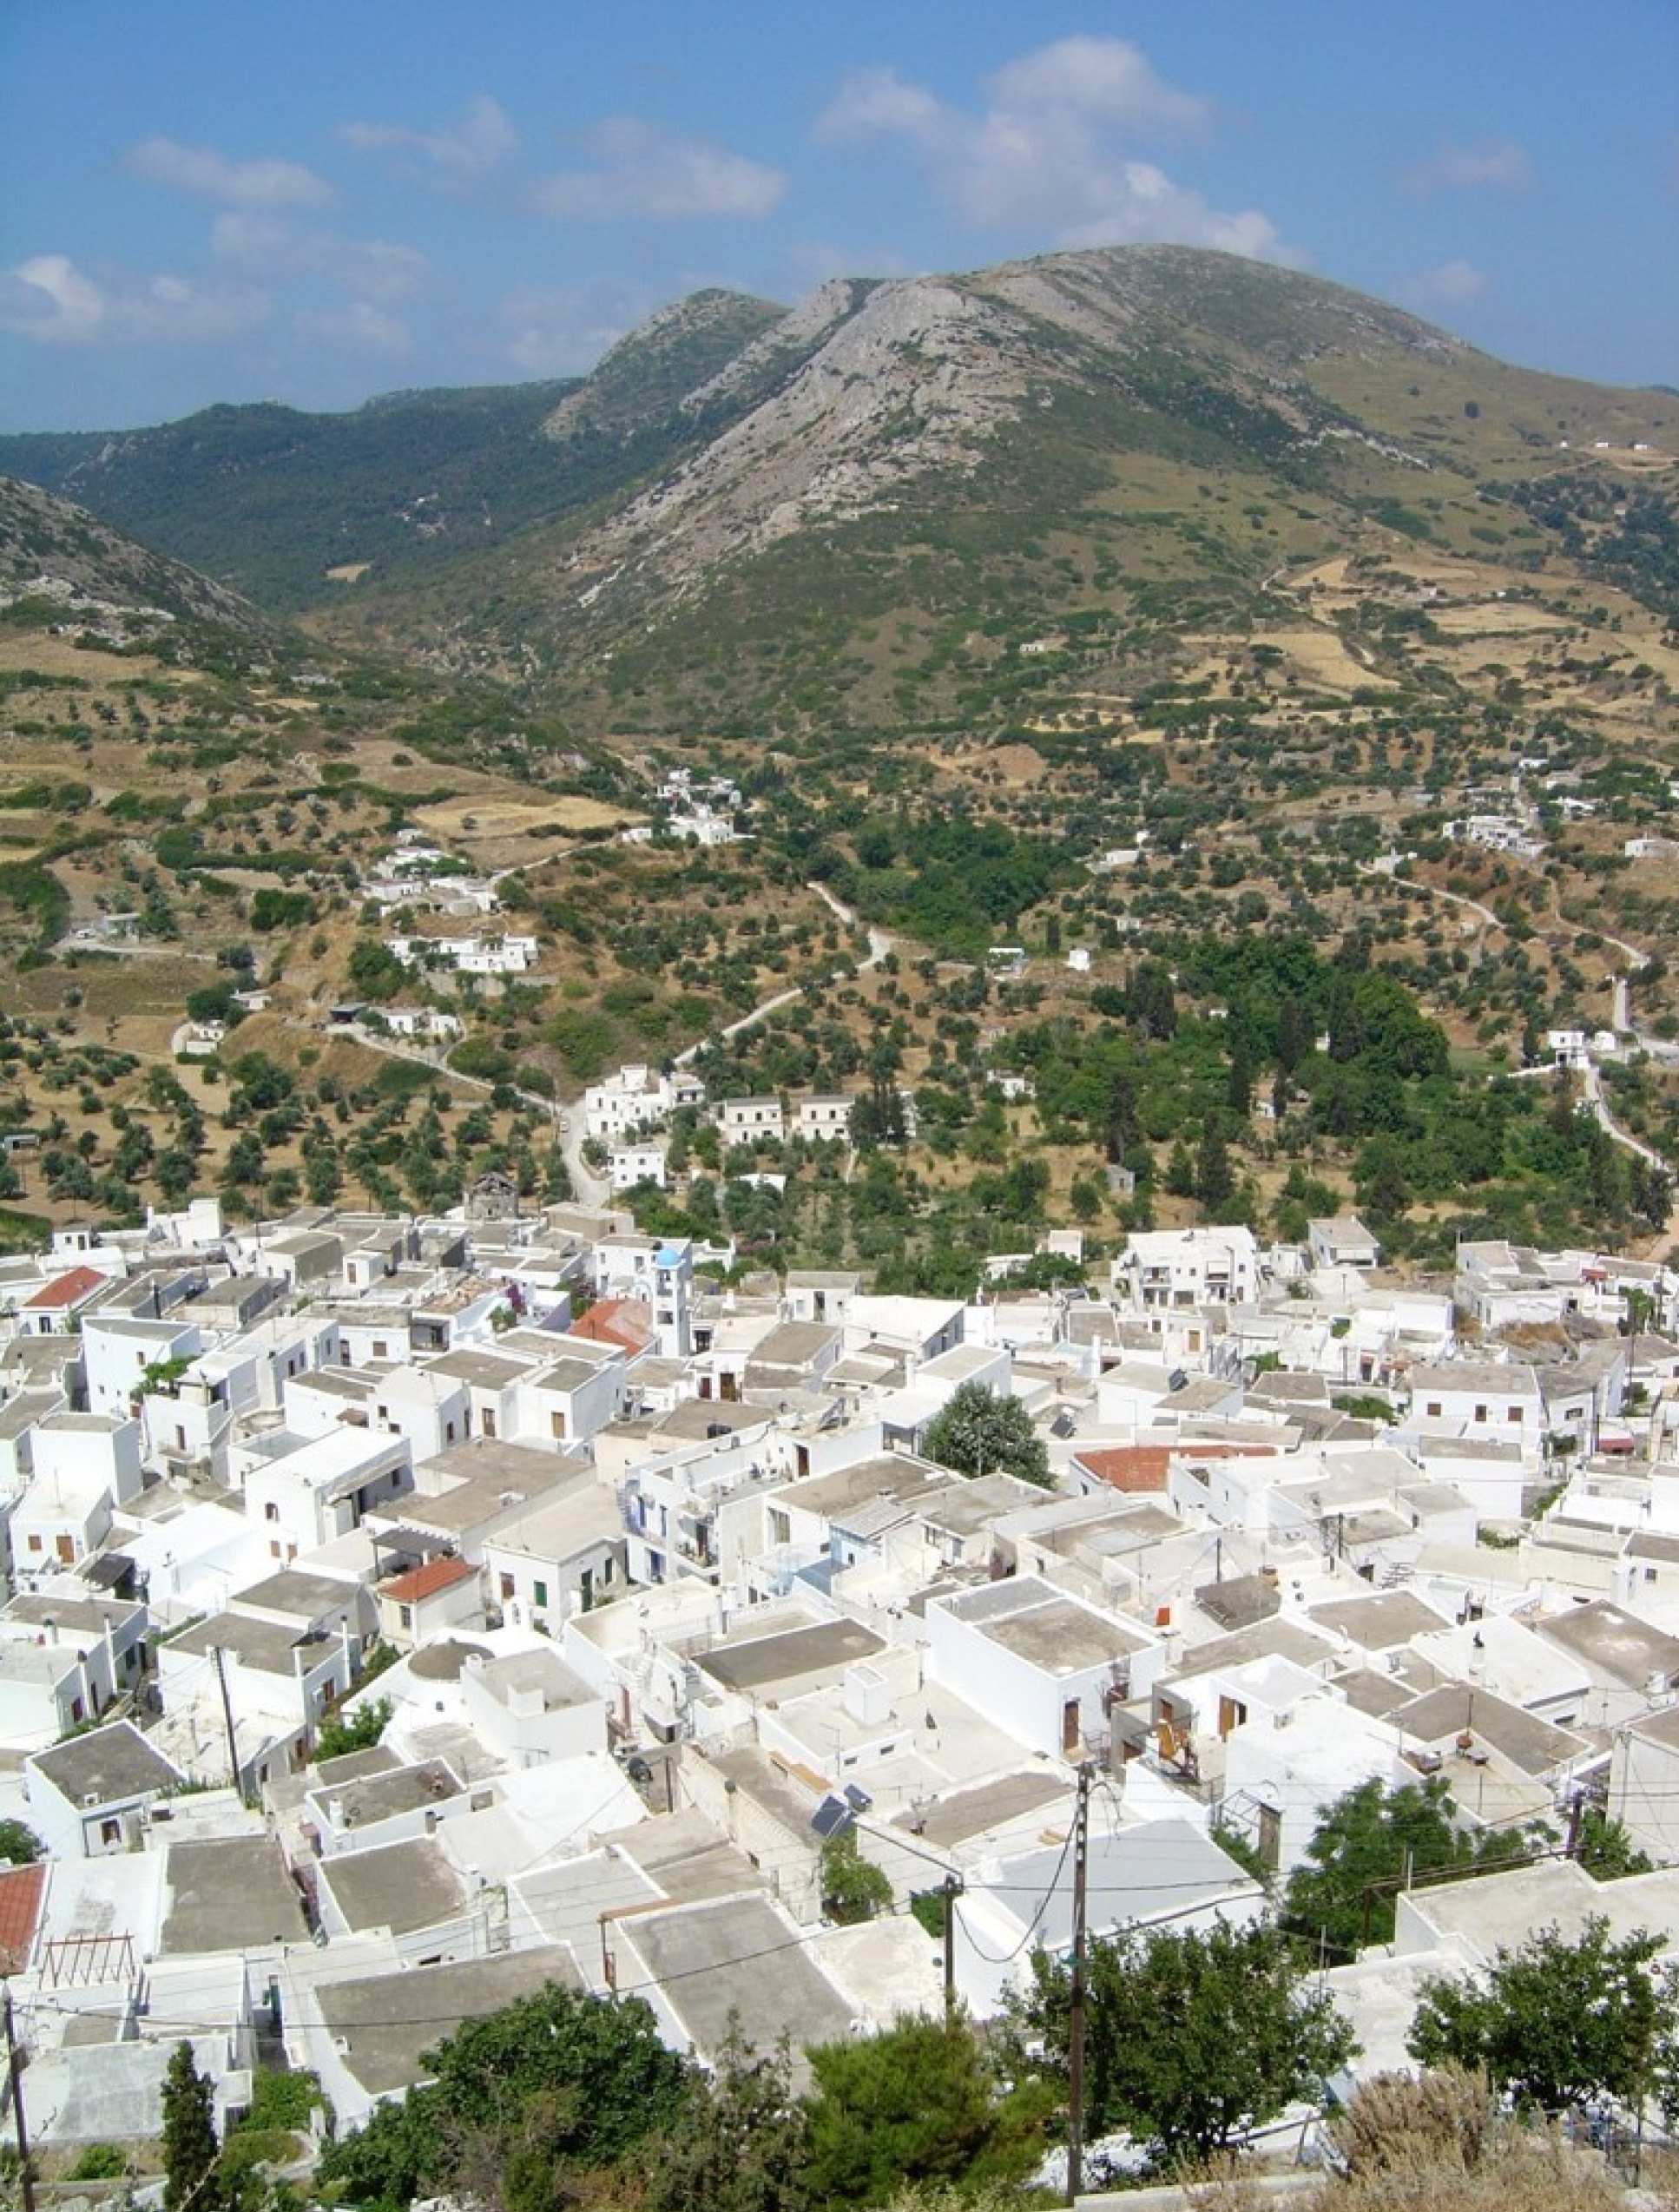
1470,1397
302,1496
94,1795
743,1121
823,1119
1342,1241
506,955
1041,1663
639,1163
1162,1268
637,1097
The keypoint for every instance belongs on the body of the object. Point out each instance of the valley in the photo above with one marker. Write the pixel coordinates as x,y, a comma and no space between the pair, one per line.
1117,606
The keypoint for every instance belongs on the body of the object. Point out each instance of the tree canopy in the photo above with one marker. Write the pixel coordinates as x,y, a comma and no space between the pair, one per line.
1553,2023
980,1432
1233,2034
1361,1851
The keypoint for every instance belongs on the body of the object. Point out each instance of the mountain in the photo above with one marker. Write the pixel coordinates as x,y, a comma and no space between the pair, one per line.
63,568
638,382
1128,437
851,512
298,508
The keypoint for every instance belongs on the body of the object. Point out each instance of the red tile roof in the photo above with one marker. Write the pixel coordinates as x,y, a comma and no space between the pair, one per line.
1138,1467
67,1289
1129,1466
20,1891
625,1321
442,1573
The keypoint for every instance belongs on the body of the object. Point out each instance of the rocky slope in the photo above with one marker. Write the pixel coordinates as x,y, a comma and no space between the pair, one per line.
61,567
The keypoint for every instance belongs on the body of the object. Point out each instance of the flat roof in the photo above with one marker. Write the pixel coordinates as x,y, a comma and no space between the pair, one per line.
888,1474
954,1818
401,1886
1609,1637
365,1799
794,1344
1379,1622
229,1893
737,1959
824,1648
541,1670
1039,1623
304,1596
271,1649
107,1765
387,2024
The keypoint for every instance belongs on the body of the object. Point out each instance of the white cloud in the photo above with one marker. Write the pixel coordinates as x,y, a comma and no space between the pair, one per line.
562,330
640,168
1105,77
480,139
360,325
1052,149
373,269
207,175
1498,163
1453,283
50,301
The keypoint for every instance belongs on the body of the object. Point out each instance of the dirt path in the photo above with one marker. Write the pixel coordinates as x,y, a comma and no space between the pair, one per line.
880,945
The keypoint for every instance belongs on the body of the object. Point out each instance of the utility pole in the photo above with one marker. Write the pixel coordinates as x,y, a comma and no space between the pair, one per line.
15,2083
227,1715
952,1890
1075,2045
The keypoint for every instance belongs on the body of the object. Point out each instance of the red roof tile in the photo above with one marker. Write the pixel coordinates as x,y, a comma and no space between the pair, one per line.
21,1891
1129,1466
66,1289
627,1322
1139,1467
441,1573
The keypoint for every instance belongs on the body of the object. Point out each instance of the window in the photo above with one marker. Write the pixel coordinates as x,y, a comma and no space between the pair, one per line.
271,1512
780,1526
1434,1409
406,1614
1512,1414
1480,1412
381,1349
1650,1574
35,1542
273,1548
110,1832
539,1590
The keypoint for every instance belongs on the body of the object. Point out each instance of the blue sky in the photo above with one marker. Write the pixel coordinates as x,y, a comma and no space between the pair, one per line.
206,200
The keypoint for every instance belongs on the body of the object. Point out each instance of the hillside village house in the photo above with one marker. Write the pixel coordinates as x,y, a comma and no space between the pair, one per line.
630,1164
743,1121
823,1120
1161,1269
505,955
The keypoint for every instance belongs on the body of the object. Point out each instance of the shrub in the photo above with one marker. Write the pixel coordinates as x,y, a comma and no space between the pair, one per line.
101,2162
